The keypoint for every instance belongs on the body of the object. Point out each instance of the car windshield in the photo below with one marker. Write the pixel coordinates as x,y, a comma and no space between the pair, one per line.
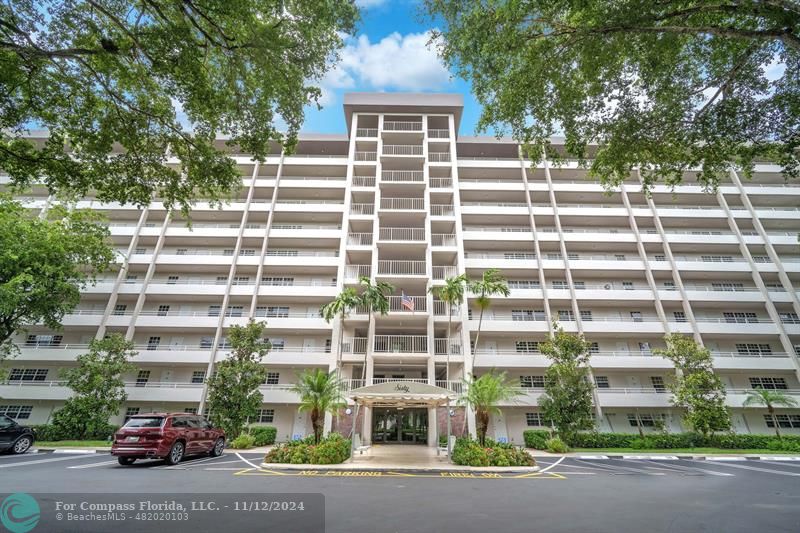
145,422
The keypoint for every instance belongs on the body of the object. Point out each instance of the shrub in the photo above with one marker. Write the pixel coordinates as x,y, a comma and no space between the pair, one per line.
536,438
469,452
333,449
263,435
666,441
53,433
243,441
556,445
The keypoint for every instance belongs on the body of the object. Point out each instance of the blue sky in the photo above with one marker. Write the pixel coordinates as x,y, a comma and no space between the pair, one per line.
388,53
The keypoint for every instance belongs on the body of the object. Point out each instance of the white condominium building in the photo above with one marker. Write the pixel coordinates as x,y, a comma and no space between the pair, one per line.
402,198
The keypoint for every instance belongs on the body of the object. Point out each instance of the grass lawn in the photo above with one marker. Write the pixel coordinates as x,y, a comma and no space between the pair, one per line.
72,443
681,450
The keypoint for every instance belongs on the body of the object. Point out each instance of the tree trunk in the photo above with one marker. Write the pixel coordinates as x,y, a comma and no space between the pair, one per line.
771,411
316,425
447,372
482,421
341,341
477,337
366,351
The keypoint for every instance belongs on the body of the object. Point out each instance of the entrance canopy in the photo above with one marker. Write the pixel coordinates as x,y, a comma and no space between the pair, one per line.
401,394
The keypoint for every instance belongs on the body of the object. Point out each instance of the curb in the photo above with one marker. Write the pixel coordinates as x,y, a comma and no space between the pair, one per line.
345,467
719,458
76,451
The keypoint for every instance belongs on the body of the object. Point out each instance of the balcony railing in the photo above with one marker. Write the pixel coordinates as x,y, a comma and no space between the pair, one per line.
403,203
438,133
443,239
401,268
453,385
419,304
402,234
354,345
366,156
366,132
439,157
362,209
357,271
402,149
359,239
440,308
363,181
394,176
402,125
441,272
440,346
442,210
401,344
441,183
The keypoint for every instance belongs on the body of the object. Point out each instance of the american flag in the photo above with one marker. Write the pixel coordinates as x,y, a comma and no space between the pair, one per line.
407,301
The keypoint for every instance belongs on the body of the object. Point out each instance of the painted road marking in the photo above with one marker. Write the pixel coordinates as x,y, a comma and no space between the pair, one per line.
41,461
779,458
248,462
390,474
726,458
592,457
542,471
92,465
765,470
651,457
183,465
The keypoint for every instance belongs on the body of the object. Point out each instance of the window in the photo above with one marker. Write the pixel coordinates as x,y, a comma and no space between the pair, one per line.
261,310
531,382
227,252
560,285
266,416
327,345
27,374
17,412
222,280
523,284
398,376
716,258
181,251
789,318
579,285
727,286
43,340
768,383
278,311
199,376
573,256
644,348
277,344
658,383
784,421
223,343
272,378
619,257
241,280
566,315
636,316
554,256
130,411
643,419
172,280
163,310
669,285
527,315
601,382
131,278
627,285
594,348
774,287
659,257
753,349
140,251
153,342
206,342
519,255
740,318
234,310
679,316
142,378
761,259
247,252
586,315
536,420
527,346
277,281
190,410
213,310
119,309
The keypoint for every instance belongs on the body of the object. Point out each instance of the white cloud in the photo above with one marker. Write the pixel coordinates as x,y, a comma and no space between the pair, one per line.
399,62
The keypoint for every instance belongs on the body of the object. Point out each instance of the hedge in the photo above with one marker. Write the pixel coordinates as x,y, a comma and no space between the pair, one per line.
790,443
52,433
263,435
469,452
332,449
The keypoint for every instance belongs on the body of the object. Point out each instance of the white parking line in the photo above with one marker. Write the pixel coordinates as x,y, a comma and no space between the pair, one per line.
687,469
40,461
765,470
92,465
724,458
184,464
248,462
617,469
651,457
20,455
552,465
779,458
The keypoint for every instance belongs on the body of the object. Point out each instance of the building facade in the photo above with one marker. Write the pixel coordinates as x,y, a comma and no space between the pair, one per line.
402,198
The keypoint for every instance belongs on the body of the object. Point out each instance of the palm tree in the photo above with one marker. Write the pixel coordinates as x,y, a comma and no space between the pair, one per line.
483,394
452,293
490,284
345,301
320,393
769,398
374,298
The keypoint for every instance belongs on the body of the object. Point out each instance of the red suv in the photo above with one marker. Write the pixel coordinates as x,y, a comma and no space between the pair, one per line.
167,436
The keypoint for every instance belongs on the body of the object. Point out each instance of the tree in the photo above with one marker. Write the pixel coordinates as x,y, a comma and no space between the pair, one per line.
483,395
664,86
233,394
567,398
451,293
44,264
117,75
769,399
345,301
98,388
490,284
696,389
320,393
374,298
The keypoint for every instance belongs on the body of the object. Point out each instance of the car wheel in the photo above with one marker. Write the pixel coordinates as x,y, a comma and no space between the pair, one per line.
175,454
219,445
22,445
126,461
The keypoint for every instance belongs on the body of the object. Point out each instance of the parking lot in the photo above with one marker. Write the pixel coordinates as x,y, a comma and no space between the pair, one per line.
596,492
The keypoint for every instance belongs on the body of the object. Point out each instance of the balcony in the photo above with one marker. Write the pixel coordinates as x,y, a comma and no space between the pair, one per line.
440,309
402,149
359,239
402,234
441,183
439,157
356,272
363,181
419,304
366,132
443,272
366,156
402,125
443,239
401,268
403,176
438,133
403,204
405,344
442,210
362,209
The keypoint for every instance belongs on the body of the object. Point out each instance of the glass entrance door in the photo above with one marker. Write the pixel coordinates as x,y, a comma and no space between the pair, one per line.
400,426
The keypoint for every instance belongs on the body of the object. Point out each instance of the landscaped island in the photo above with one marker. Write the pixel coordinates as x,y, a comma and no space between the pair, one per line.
333,449
471,453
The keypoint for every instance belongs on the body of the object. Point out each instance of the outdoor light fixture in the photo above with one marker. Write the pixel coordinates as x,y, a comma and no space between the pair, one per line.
348,411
